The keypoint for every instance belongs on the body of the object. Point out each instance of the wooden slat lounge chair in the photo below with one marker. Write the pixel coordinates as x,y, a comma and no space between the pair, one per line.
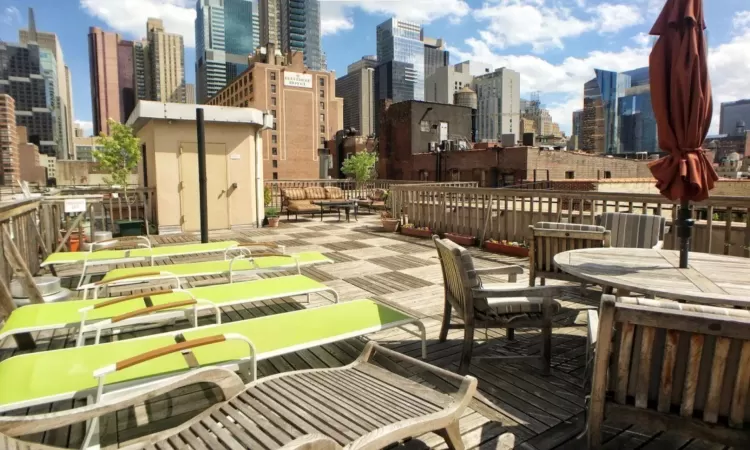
359,406
634,230
672,366
481,305
550,238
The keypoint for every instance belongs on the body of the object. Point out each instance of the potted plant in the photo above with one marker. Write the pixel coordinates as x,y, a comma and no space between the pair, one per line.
461,239
119,154
510,248
410,230
266,203
272,215
390,224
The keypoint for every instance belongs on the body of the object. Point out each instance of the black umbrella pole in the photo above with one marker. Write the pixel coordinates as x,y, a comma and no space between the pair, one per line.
202,180
685,232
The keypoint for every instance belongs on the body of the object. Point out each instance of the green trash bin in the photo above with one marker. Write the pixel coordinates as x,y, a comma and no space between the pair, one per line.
130,227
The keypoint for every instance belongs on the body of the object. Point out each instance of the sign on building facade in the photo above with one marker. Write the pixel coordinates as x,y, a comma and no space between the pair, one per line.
299,80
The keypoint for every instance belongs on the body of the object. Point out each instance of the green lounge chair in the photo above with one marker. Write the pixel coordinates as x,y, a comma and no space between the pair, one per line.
259,264
358,406
39,378
145,252
97,314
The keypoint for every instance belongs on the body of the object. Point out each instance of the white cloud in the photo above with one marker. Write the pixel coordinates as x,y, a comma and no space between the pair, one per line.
741,21
10,16
728,66
613,18
529,22
336,15
129,16
643,39
87,125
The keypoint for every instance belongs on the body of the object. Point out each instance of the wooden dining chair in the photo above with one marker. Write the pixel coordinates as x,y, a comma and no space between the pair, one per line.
550,238
665,365
500,305
634,230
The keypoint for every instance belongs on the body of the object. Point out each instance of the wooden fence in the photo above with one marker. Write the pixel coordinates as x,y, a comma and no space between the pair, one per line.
723,226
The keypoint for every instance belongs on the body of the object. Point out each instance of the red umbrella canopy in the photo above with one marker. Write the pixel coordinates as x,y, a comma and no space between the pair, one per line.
681,98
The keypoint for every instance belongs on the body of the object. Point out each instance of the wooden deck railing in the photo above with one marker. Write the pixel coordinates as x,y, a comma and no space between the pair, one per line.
722,226
350,187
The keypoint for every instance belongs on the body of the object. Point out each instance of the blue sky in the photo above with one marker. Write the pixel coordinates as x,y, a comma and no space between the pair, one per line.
555,44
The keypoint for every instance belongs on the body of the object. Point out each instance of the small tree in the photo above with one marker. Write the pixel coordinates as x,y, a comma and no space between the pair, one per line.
361,167
119,156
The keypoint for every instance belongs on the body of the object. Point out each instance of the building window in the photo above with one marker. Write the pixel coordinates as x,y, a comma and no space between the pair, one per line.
273,88
273,76
322,141
322,82
322,128
322,118
607,174
570,175
322,93
274,139
322,105
424,126
424,175
274,151
273,101
275,176
275,163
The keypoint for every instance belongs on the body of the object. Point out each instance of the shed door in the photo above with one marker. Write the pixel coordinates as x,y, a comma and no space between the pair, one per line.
217,185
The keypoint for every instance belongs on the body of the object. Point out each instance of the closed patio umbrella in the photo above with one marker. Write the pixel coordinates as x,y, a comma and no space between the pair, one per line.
681,98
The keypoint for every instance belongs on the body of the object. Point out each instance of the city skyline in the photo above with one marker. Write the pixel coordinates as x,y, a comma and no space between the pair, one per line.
556,62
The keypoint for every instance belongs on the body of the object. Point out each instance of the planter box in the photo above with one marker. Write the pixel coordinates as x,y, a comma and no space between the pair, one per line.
461,239
506,249
130,227
416,233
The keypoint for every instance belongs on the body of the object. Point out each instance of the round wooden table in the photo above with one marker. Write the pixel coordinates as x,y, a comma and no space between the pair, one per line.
709,278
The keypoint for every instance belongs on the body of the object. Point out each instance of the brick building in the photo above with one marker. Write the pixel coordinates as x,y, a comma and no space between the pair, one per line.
9,171
304,103
497,167
413,127
722,146
30,162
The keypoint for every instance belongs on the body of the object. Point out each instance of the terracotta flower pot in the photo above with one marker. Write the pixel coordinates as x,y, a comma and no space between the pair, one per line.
461,239
390,225
273,222
510,250
416,233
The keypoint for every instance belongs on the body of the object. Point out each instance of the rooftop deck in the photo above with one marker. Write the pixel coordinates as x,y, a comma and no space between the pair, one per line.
516,406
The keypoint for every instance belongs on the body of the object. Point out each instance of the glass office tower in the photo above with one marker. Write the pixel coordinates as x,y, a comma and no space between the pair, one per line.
400,73
300,30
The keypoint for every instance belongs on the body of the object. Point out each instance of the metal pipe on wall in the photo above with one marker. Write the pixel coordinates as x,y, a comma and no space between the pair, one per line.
202,180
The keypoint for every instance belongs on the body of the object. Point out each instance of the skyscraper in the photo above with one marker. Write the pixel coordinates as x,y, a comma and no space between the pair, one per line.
357,89
23,78
400,72
617,114
269,20
732,114
499,104
111,62
435,55
576,124
300,30
63,99
225,36
167,68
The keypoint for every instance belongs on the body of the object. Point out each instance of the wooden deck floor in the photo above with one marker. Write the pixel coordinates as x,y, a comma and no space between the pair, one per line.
516,406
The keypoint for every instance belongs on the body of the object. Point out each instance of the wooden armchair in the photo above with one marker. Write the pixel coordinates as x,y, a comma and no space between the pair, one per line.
672,366
481,305
634,230
550,238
